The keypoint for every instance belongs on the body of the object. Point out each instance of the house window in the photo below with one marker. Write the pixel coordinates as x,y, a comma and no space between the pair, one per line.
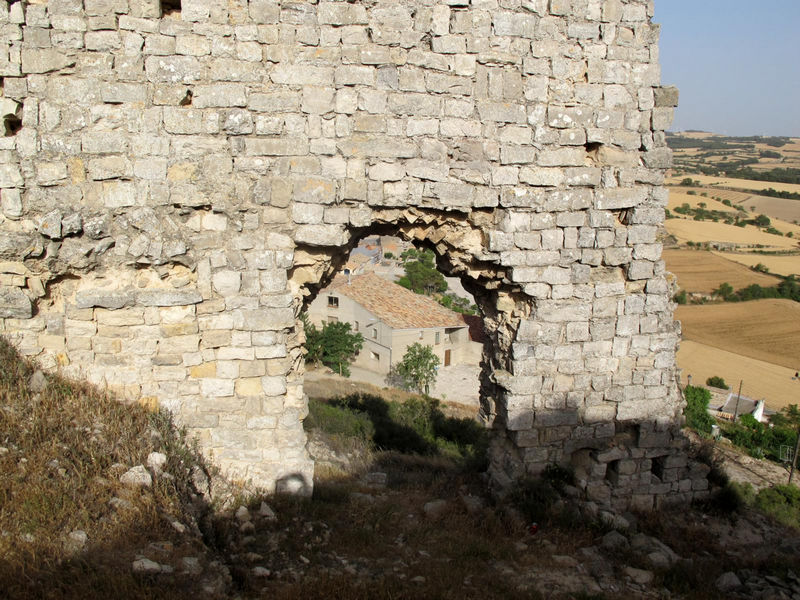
374,356
333,302
374,333
170,7
438,337
355,326
420,334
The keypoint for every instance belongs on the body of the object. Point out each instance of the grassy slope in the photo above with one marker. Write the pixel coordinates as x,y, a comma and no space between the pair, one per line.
63,450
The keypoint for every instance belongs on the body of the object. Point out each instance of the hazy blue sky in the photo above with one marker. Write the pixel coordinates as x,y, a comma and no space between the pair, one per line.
736,62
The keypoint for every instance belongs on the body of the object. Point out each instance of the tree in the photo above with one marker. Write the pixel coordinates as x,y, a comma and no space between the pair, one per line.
417,370
696,410
334,345
762,221
717,382
421,275
724,291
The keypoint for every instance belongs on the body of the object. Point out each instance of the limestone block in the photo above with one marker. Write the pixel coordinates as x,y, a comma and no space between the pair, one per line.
219,95
14,304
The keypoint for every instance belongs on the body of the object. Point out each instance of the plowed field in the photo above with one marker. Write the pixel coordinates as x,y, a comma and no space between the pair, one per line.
767,330
782,265
701,271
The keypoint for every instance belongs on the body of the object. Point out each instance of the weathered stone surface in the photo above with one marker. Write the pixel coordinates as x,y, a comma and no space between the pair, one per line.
14,304
181,184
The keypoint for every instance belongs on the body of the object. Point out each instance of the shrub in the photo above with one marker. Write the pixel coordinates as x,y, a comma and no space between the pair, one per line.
782,503
696,410
717,382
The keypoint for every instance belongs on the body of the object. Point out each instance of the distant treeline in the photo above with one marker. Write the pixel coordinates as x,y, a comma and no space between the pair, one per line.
772,193
774,175
724,143
788,289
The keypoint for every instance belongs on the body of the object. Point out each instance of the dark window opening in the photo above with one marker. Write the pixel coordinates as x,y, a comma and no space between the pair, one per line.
170,7
12,124
333,302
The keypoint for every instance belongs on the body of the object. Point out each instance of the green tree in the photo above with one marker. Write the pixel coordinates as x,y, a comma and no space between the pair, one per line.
724,291
334,345
717,382
421,275
696,410
417,370
762,221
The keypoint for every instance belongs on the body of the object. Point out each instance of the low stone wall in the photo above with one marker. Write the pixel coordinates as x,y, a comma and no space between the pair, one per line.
175,187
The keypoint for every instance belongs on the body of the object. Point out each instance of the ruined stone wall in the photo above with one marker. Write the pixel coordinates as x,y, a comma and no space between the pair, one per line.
174,187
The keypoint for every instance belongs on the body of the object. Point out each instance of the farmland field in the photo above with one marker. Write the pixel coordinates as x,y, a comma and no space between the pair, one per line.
703,271
760,379
707,231
744,184
781,265
767,330
776,208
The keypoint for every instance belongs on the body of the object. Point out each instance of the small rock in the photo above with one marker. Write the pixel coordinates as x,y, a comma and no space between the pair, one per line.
136,477
28,538
639,576
76,541
727,582
120,504
191,565
418,579
145,566
260,572
178,526
564,561
242,514
156,461
266,512
616,521
435,509
614,541
38,381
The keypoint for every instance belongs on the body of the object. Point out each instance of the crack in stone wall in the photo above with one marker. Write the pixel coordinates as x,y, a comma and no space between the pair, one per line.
176,181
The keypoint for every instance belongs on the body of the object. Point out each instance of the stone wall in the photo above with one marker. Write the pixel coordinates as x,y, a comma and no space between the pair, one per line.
175,187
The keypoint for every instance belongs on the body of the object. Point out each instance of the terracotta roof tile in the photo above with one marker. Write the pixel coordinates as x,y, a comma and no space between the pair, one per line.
396,306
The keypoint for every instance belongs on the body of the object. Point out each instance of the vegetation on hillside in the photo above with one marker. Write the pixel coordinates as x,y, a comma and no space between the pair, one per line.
334,345
70,527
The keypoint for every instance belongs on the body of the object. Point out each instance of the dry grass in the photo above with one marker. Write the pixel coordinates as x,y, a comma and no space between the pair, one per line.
767,330
707,231
782,265
703,271
678,196
761,379
64,449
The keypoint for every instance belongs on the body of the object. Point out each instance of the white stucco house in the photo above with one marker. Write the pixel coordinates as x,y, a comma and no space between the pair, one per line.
391,318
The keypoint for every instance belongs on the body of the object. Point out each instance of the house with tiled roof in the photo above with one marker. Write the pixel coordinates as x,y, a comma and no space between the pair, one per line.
391,318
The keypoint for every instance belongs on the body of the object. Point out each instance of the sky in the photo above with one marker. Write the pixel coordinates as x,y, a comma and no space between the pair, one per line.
736,62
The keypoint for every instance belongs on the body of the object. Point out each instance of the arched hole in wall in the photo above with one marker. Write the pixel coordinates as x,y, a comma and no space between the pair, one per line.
455,256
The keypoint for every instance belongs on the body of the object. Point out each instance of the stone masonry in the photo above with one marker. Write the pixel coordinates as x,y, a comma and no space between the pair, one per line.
177,182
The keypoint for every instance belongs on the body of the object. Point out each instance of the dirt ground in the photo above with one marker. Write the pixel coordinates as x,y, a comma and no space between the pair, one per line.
782,265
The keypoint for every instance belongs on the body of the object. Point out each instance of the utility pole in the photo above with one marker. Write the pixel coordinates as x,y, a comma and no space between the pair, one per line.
738,397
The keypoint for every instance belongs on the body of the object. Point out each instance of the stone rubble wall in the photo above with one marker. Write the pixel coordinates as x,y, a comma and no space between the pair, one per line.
174,187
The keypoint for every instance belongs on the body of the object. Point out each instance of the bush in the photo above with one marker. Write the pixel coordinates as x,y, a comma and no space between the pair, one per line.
717,382
339,421
696,410
782,503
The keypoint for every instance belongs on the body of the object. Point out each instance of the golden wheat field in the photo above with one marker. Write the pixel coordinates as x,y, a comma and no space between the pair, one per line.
775,208
703,271
759,379
744,184
767,330
678,197
780,265
686,230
